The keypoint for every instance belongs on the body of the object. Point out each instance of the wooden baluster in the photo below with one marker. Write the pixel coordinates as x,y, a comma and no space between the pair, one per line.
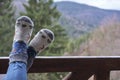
102,75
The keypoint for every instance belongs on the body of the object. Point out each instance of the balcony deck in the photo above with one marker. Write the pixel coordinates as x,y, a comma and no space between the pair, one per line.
81,67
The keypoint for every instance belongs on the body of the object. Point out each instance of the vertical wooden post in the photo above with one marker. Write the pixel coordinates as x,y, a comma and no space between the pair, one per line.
102,75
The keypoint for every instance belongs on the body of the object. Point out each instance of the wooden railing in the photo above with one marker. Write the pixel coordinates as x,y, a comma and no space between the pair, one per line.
81,68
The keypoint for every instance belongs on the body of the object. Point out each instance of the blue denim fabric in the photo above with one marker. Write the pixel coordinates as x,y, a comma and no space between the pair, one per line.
16,71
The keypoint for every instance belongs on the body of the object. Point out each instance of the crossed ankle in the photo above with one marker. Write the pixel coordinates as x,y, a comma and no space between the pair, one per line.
31,52
19,52
31,56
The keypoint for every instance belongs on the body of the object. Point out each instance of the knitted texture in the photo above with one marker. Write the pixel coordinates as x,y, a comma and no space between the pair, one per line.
23,29
19,52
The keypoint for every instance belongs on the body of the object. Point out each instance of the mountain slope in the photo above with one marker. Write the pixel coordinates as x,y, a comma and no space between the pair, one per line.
80,18
77,18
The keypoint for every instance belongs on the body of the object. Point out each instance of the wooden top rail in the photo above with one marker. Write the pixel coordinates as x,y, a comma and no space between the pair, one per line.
69,64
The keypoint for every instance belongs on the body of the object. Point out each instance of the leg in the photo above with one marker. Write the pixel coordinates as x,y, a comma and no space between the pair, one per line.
19,71
41,40
16,71
18,56
17,66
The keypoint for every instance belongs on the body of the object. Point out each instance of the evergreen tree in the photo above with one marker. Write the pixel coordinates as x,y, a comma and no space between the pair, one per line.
42,12
6,26
45,15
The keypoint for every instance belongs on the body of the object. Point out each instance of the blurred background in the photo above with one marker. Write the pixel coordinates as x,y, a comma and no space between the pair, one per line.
81,28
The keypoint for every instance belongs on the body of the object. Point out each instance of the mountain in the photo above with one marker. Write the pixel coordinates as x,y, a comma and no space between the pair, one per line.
79,18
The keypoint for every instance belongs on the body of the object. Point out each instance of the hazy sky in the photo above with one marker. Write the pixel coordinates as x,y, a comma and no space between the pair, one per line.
106,4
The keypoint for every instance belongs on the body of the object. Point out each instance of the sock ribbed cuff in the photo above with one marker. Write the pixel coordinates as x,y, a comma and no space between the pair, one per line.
19,52
31,56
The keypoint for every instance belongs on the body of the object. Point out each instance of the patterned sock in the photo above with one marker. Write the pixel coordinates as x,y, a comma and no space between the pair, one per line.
41,40
23,30
31,56
19,52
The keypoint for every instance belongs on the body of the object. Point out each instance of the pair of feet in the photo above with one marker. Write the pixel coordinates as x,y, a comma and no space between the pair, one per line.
23,31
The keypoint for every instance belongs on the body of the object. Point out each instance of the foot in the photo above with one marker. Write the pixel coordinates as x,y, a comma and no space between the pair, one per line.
23,29
41,41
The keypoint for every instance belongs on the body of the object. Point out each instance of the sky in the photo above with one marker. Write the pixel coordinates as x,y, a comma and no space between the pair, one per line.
105,4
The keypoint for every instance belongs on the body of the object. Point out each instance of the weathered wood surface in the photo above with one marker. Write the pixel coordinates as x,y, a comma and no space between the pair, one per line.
68,63
81,67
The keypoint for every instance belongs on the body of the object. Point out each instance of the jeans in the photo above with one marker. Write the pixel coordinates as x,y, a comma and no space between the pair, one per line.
16,71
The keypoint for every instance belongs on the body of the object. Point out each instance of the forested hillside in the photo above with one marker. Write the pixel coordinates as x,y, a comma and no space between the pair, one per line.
80,18
103,41
77,18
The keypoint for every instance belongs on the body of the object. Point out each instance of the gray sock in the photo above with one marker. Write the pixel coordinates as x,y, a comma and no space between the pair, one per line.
19,52
31,56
